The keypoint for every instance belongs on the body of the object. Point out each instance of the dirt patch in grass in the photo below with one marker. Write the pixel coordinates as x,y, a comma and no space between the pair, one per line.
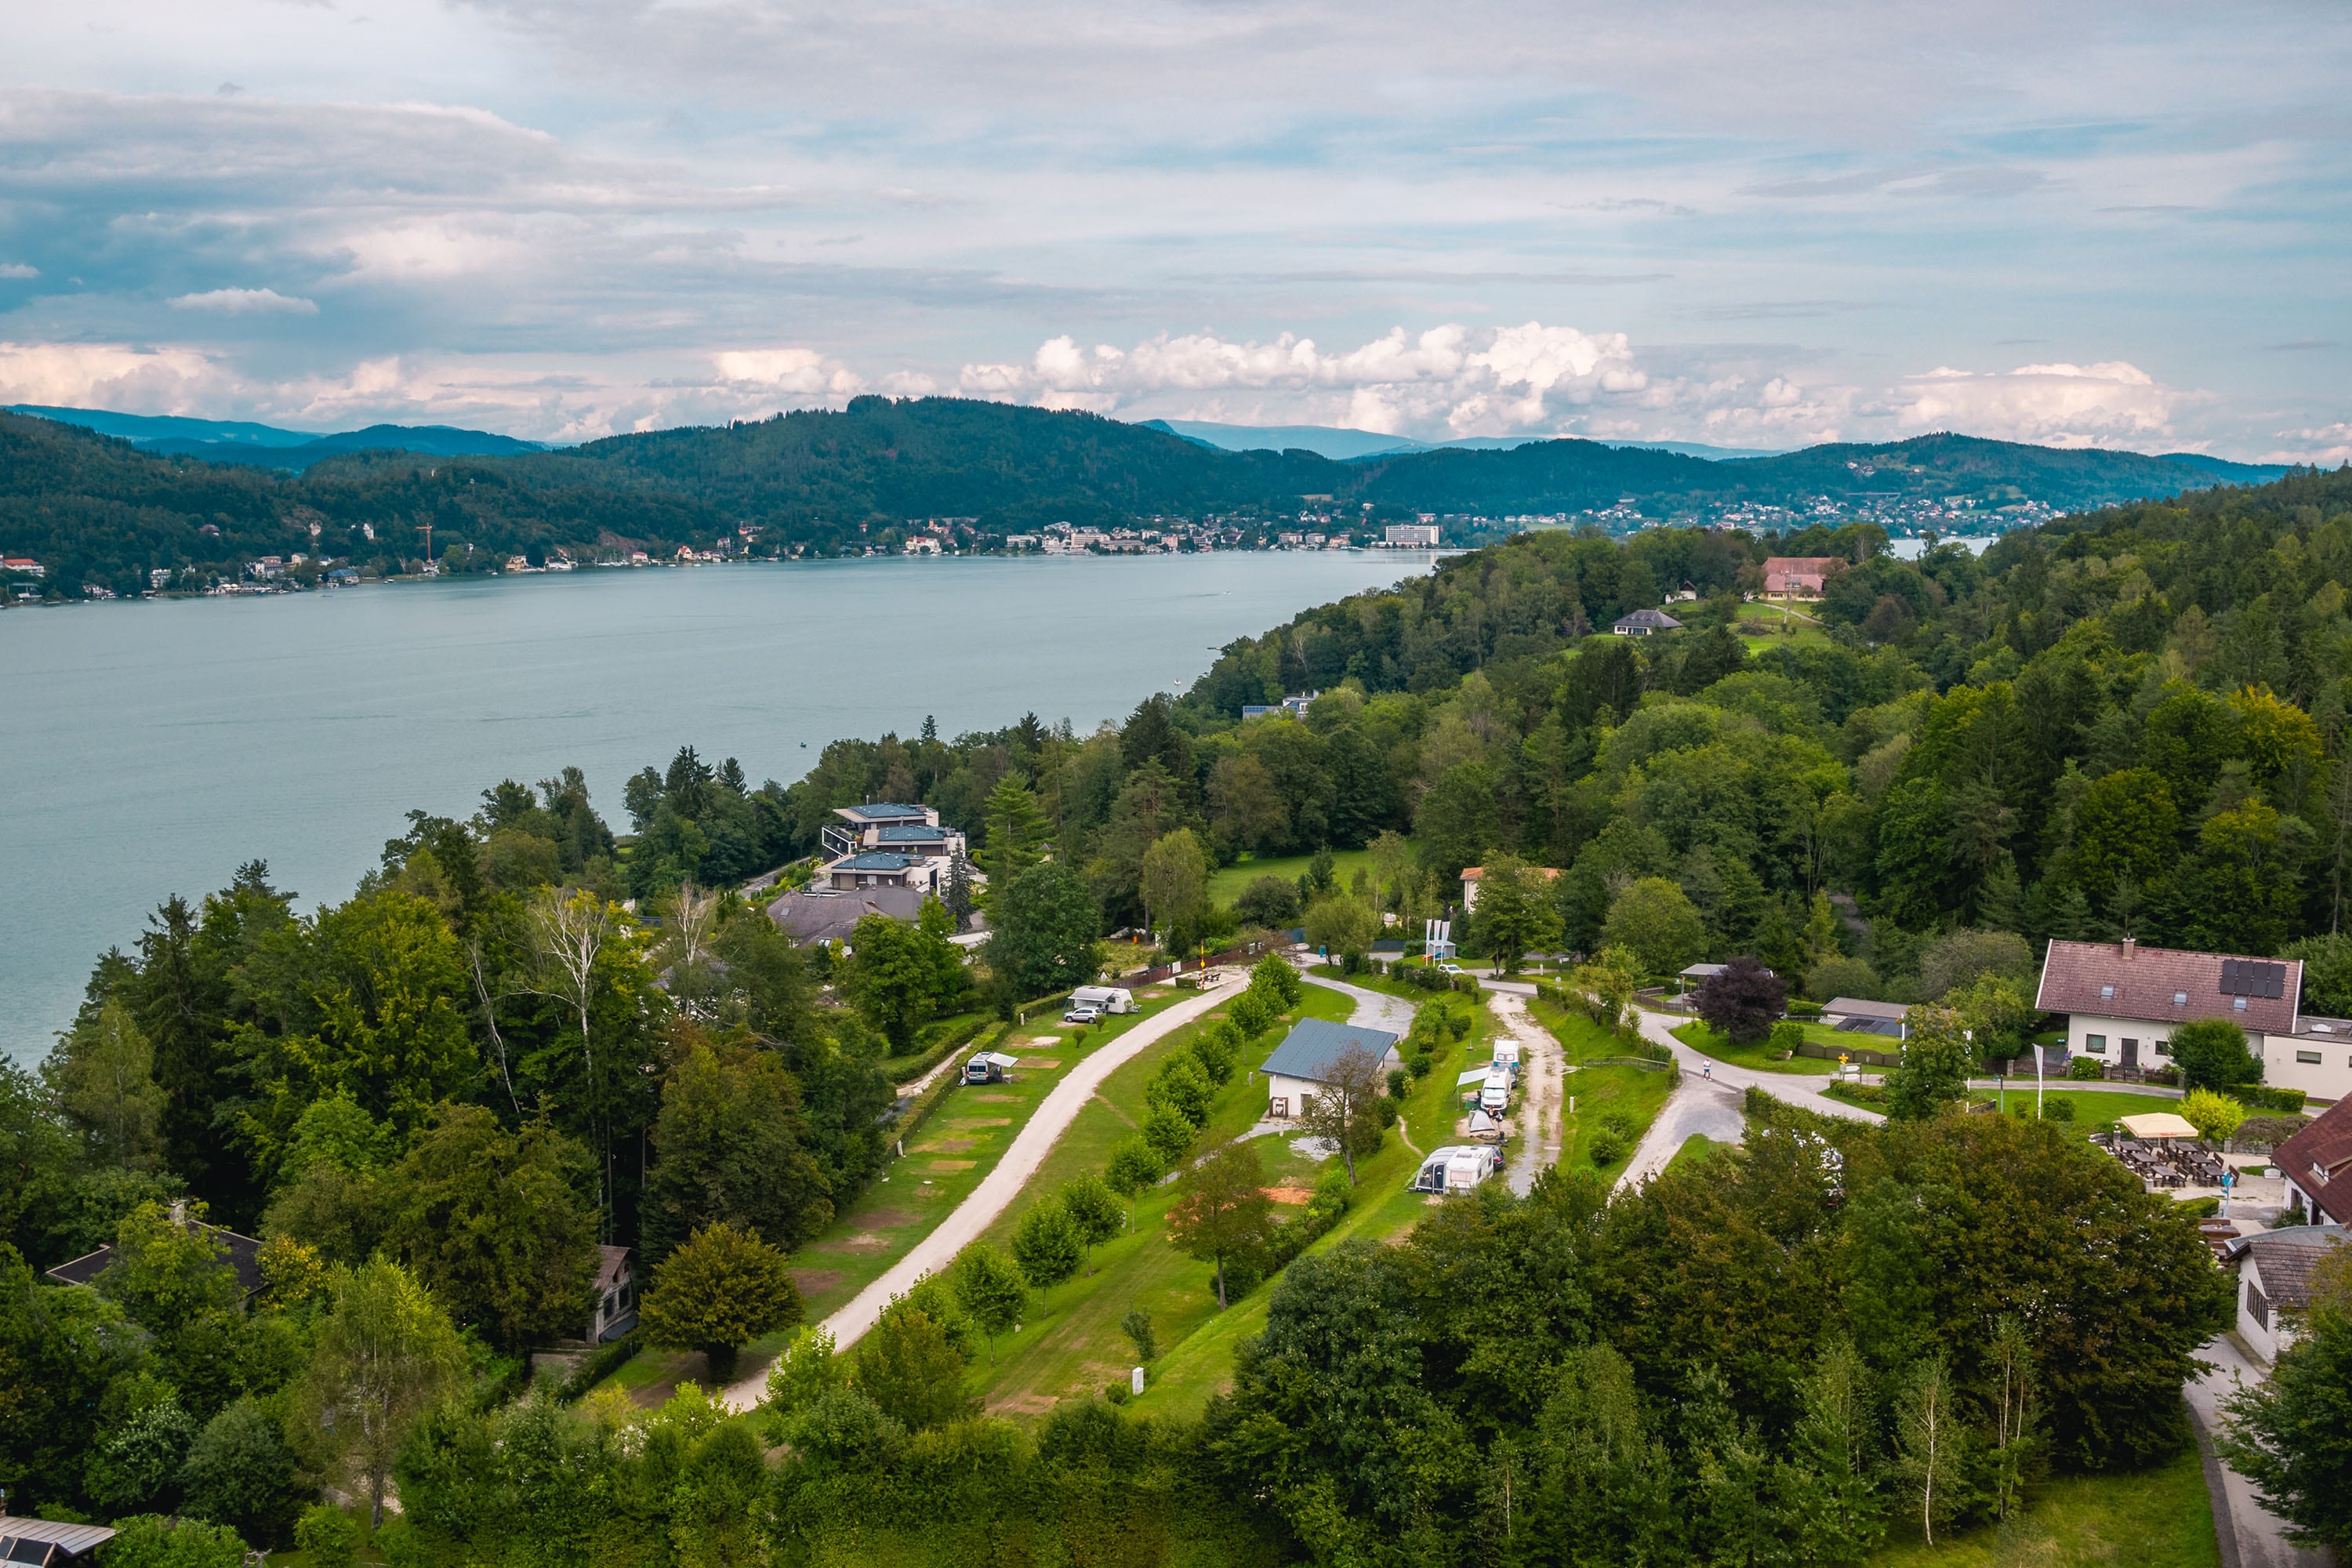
944,1145
858,1241
1291,1195
993,1095
812,1280
950,1166
1025,1405
978,1121
1049,1064
887,1219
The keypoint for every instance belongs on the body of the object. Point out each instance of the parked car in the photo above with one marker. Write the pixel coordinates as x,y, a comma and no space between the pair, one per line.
1082,1013
1449,967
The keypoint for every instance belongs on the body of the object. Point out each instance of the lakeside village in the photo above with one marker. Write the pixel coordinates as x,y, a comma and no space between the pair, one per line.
25,580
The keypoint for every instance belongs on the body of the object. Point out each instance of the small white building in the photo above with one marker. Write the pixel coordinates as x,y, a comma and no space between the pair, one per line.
1299,1067
2274,1270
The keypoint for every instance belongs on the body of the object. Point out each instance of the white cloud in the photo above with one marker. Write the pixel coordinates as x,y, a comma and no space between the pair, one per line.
112,376
16,271
2328,446
2111,403
246,303
804,372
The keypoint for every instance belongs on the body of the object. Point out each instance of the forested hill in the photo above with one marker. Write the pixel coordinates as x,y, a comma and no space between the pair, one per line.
99,510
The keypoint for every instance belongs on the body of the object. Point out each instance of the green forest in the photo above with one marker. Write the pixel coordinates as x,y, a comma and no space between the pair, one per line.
433,1100
97,511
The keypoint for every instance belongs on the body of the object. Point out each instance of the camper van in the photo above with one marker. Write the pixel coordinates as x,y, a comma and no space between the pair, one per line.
1103,998
1496,1097
988,1067
1456,1168
1506,1057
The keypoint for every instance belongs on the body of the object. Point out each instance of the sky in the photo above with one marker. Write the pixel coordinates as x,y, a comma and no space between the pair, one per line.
1754,226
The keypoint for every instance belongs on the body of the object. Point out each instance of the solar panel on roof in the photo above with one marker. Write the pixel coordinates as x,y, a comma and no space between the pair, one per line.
2251,977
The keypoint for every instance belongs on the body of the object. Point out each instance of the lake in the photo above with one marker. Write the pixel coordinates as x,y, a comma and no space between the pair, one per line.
152,747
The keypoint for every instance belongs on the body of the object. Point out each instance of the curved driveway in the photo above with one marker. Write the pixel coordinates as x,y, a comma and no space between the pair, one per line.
997,1190
1709,1100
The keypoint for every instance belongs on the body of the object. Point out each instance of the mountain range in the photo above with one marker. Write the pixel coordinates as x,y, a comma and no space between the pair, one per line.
266,445
101,508
1348,445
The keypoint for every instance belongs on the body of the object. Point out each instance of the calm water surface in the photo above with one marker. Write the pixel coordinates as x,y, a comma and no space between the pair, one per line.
152,747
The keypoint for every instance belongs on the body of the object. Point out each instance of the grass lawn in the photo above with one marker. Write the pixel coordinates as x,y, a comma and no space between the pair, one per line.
1698,1148
1075,1345
1788,630
2161,1518
2096,1110
946,1158
1226,885
1202,1364
1760,1057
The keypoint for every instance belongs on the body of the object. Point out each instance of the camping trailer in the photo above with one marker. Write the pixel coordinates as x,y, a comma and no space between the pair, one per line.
1507,1056
1103,998
1456,1168
1496,1097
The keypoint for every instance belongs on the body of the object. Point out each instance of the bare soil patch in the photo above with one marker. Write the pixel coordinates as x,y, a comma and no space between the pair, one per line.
944,1145
812,1280
1291,1195
950,1166
887,1219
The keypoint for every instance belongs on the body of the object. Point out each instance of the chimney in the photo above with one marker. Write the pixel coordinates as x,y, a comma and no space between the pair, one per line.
2130,942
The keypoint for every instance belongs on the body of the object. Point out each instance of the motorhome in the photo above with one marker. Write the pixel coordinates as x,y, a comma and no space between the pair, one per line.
1456,1168
988,1067
1507,1056
1103,998
1496,1097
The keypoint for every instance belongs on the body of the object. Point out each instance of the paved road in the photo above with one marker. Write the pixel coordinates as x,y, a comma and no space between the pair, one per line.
1802,1090
2261,1536
1374,1009
1000,1186
1695,1106
1542,1067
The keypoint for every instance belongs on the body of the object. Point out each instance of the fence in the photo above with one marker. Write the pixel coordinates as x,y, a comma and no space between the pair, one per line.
1851,1054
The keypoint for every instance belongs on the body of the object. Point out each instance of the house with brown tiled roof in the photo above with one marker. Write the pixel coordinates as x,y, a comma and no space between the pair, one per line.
2317,1165
2122,1002
1799,575
2274,1278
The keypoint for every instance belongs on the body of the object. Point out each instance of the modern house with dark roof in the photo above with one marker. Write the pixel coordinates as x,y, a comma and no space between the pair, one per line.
2274,1270
1645,623
2317,1164
241,1253
47,1544
2122,1002
887,845
1300,1066
1857,1016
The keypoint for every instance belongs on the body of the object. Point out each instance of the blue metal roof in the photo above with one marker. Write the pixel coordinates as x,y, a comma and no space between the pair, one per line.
884,808
910,833
874,860
1313,1043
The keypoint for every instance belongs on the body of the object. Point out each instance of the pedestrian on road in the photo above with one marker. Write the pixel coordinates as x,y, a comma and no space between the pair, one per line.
1708,1071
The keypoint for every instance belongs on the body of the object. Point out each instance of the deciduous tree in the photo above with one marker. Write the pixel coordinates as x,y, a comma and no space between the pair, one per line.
1222,1212
1743,1002
723,1289
385,1354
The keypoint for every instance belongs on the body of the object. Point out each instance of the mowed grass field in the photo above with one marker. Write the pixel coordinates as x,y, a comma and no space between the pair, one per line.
1595,1093
1072,1344
2158,1517
1760,1057
945,1159
2096,1110
1202,1364
1226,885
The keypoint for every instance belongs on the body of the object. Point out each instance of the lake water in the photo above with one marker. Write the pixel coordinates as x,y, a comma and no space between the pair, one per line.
152,747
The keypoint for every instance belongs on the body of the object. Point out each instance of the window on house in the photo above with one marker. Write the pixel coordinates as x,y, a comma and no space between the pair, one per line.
2106,992
2180,998
2237,1004
2308,1059
2158,1045
2258,1306
2096,1044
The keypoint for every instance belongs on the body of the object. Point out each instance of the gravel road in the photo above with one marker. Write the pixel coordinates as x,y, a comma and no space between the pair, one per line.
1001,1185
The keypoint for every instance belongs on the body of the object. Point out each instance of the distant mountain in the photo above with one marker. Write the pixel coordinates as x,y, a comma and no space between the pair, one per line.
2233,473
266,445
1348,445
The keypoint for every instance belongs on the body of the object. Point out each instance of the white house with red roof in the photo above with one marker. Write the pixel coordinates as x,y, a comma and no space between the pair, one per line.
1474,875
2317,1165
2122,1002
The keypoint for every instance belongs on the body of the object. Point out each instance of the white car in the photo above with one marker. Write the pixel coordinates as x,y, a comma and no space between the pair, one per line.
1449,967
1081,1015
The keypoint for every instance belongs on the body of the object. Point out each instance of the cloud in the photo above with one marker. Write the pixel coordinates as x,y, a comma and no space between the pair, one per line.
2112,404
801,372
246,303
111,375
2327,445
16,271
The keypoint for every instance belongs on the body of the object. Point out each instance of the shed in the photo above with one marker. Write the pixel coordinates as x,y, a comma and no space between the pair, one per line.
2274,1270
1858,1017
1298,1068
47,1542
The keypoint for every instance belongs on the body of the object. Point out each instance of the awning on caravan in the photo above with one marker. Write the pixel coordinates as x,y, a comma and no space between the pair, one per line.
1476,1075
